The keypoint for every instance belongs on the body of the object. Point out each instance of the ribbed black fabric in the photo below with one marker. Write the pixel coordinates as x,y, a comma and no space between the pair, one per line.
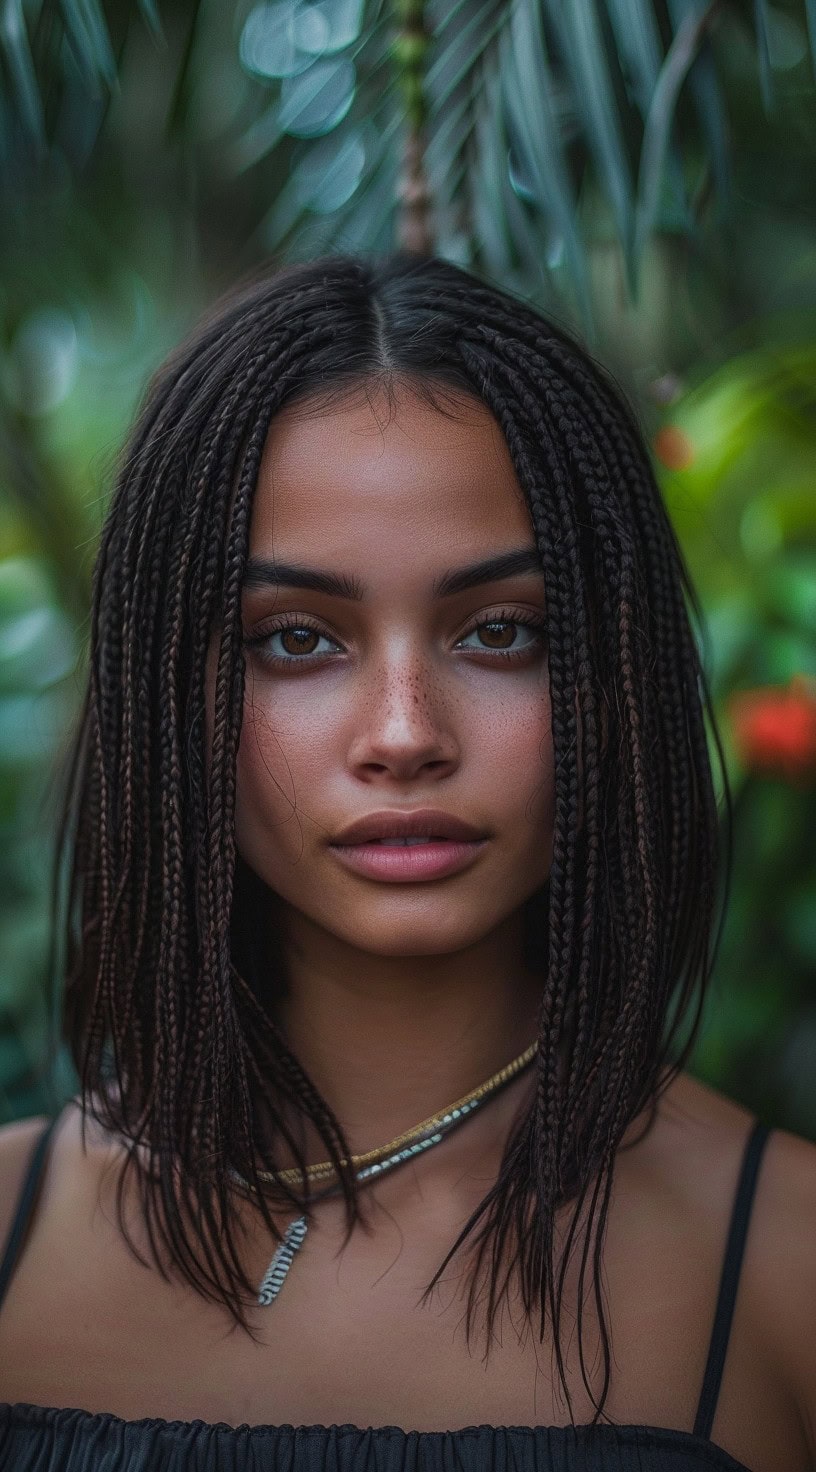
33,1439
62,1439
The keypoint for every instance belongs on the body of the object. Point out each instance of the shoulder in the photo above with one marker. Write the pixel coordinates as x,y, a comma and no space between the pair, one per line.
18,1141
701,1146
785,1286
75,1156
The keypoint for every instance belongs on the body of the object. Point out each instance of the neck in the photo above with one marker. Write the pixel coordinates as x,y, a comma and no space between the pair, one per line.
390,1040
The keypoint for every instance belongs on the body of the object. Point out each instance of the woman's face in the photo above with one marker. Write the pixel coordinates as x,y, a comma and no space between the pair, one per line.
403,696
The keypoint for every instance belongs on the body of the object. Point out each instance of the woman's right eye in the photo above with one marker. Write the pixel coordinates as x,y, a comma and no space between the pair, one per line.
298,642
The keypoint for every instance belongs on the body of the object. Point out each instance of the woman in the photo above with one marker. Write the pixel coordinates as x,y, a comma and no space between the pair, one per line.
392,791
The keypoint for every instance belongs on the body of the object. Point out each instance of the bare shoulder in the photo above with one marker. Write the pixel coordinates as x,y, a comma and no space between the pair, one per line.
703,1140
18,1142
72,1152
785,1285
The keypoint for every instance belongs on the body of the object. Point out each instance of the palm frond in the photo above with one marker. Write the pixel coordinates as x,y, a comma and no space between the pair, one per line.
539,107
18,58
679,60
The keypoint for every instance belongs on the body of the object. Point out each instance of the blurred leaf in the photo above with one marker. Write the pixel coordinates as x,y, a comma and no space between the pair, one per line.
764,53
36,649
657,133
771,826
638,41
707,96
799,921
576,24
20,65
369,214
269,45
492,198
151,18
344,20
529,101
736,1016
182,87
790,591
316,100
31,726
330,172
734,628
459,47
259,139
781,655
810,13
796,1069
24,587
87,31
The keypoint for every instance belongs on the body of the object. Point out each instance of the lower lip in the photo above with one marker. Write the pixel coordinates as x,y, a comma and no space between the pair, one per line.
400,864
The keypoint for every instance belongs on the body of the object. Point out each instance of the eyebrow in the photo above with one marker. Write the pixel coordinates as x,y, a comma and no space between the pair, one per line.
261,572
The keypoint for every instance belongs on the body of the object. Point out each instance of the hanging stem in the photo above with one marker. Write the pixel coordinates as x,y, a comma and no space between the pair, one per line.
414,232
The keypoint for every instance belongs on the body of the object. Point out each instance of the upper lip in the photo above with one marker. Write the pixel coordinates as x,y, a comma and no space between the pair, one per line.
421,823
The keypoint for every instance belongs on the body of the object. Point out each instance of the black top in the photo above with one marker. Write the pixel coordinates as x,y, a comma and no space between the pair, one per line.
47,1438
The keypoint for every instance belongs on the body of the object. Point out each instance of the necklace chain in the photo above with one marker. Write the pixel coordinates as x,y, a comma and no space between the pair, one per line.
436,1121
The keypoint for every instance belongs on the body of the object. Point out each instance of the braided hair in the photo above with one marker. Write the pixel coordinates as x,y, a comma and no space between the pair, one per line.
163,998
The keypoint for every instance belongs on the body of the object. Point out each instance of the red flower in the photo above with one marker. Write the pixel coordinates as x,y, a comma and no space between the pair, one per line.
673,448
775,728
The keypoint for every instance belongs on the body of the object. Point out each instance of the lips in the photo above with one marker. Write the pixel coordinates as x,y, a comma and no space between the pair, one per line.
438,845
425,823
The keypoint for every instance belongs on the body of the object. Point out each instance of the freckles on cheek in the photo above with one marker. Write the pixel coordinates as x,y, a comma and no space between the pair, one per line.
520,767
518,731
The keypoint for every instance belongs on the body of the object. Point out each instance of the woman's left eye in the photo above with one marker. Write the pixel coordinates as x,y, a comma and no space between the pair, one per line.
499,636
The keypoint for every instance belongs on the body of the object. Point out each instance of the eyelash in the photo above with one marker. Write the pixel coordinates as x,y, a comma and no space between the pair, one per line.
283,661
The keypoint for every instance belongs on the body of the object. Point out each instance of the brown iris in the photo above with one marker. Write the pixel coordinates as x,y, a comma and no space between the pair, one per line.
506,625
299,636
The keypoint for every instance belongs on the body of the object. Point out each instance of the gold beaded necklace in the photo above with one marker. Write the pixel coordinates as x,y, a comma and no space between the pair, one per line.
428,1126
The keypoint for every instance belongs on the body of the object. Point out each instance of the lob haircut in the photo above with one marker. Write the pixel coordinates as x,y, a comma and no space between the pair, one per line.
163,989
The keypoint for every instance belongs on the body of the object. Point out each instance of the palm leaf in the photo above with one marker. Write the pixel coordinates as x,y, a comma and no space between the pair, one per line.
705,92
527,102
87,33
810,13
679,60
764,53
637,38
150,16
17,52
529,97
575,22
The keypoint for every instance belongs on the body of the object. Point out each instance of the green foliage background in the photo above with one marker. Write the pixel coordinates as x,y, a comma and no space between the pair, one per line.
644,171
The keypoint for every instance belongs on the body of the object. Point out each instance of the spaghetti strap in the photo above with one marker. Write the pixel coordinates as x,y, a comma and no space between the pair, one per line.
25,1207
729,1279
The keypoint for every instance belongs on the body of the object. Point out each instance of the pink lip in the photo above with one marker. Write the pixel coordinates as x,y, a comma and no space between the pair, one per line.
398,864
408,823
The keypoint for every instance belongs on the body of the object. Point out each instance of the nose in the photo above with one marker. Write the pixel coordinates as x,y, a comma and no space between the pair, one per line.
406,727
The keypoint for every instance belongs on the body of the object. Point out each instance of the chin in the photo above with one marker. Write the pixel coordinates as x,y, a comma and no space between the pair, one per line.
413,939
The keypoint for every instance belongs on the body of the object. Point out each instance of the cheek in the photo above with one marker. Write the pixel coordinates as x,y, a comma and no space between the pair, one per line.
513,740
281,772
270,765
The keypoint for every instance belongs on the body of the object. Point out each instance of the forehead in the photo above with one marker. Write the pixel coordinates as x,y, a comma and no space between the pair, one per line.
378,471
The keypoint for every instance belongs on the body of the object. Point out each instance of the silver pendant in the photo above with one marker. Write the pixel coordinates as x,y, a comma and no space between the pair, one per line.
282,1261
293,1237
